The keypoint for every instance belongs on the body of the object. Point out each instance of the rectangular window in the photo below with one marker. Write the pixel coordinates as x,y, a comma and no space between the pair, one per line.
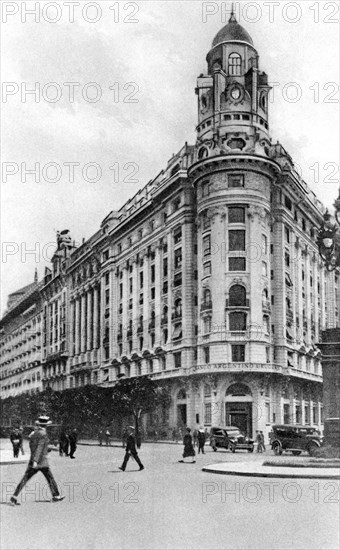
177,332
130,285
236,181
121,290
105,255
264,244
178,360
107,278
207,269
237,264
287,234
238,352
130,303
205,189
177,235
178,258
178,279
287,259
264,269
237,240
206,246
286,413
165,267
236,214
206,353
165,287
288,203
207,413
153,293
153,273
141,279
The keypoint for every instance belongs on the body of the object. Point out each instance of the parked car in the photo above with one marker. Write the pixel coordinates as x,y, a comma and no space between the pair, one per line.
230,438
295,439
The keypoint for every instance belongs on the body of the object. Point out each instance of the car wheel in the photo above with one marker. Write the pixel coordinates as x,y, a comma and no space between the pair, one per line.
251,450
277,449
312,447
296,453
232,448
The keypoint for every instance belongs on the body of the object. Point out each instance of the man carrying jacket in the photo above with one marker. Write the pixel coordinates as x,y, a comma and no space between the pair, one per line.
38,461
130,449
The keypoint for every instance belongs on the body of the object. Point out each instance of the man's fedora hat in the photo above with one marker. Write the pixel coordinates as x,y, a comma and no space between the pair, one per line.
44,421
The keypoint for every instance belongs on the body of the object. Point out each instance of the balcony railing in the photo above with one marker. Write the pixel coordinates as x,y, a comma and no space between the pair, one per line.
246,304
206,306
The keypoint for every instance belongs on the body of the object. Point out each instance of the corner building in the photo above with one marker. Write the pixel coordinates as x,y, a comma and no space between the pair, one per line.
209,278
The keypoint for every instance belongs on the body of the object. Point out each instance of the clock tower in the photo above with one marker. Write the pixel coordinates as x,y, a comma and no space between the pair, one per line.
233,96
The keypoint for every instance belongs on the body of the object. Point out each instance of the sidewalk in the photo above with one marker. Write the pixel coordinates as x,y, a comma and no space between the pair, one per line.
118,443
260,470
6,457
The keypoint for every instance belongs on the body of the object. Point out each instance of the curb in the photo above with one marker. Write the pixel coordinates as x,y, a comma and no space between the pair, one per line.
281,475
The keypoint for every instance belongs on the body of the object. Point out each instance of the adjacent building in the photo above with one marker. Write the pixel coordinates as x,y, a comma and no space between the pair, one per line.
209,278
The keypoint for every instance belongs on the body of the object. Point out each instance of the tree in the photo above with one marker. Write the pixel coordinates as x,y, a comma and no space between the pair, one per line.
137,396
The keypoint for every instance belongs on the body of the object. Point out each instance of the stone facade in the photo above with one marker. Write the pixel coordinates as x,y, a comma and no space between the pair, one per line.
209,278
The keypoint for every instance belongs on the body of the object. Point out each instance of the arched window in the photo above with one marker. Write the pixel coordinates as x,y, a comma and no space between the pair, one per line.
235,63
237,321
207,296
237,295
181,394
238,389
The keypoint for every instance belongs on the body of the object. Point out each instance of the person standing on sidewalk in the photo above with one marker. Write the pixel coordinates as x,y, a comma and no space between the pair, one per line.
107,438
259,441
201,440
21,431
189,450
131,450
262,441
16,440
39,447
73,438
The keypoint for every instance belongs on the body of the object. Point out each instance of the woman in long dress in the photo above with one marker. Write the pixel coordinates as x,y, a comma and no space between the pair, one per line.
189,451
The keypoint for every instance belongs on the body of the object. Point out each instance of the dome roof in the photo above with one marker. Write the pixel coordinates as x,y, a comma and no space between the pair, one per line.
231,32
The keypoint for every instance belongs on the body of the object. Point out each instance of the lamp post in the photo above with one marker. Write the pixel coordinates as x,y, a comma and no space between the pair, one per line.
328,241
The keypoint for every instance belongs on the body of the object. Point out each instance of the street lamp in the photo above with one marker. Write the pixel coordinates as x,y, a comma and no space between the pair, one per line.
329,238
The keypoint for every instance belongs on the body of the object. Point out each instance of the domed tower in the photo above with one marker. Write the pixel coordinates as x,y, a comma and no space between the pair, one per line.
233,96
233,174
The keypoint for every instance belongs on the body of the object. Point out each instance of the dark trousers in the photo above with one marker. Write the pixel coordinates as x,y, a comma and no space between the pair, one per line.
135,456
73,447
30,472
201,446
16,449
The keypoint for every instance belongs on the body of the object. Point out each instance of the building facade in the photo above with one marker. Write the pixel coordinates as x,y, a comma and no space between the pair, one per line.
209,278
21,342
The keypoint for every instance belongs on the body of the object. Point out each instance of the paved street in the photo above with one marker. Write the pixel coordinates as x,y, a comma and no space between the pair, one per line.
168,505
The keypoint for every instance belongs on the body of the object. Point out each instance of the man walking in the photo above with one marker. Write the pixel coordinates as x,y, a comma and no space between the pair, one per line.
262,441
73,437
131,450
201,440
38,461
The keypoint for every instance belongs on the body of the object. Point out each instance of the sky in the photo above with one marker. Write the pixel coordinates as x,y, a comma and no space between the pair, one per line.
115,99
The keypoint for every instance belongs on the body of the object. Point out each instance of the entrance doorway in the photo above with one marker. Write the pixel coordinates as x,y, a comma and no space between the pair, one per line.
182,414
239,415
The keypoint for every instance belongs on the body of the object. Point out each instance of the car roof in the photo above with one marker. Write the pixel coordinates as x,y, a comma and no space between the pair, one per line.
285,426
225,428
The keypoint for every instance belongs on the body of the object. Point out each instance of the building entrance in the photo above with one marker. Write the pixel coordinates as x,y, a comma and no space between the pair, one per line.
239,415
182,414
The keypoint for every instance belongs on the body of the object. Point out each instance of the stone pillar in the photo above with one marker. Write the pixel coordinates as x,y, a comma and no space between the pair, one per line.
77,326
72,328
83,324
95,317
89,320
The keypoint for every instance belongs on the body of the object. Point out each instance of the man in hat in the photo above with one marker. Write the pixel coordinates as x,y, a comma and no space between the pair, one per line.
130,449
201,440
73,438
38,461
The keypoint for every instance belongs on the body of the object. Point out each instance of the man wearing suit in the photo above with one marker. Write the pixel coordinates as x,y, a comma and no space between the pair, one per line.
73,437
130,449
38,461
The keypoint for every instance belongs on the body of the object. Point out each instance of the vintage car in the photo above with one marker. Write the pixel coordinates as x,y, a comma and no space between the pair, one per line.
230,438
295,439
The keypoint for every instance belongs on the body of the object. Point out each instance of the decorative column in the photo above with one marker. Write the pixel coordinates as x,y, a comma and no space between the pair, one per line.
77,325
95,316
83,324
89,320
